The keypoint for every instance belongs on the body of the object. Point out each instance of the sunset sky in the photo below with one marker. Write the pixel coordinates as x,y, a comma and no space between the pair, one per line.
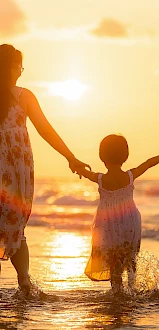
94,67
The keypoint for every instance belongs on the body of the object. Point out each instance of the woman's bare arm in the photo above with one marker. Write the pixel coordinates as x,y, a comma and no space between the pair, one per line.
144,166
43,127
47,132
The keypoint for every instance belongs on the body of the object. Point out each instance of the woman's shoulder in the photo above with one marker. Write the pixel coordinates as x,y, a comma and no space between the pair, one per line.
19,93
23,91
25,95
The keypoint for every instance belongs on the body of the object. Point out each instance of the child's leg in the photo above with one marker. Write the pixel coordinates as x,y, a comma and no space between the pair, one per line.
116,277
131,274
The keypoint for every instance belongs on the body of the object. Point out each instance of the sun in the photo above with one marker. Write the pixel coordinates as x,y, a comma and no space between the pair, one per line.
70,89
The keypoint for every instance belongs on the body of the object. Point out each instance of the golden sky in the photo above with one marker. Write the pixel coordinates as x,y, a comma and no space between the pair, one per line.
94,67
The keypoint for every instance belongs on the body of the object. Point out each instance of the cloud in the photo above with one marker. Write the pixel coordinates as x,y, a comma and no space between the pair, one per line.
12,18
109,27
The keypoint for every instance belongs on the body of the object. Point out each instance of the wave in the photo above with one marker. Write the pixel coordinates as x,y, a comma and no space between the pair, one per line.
150,233
152,192
71,200
79,222
44,197
62,224
62,221
59,215
71,205
50,197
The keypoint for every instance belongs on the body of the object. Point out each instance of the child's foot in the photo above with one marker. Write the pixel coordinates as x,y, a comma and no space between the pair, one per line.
24,284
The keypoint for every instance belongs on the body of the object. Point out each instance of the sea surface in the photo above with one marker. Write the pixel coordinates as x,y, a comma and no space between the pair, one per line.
59,240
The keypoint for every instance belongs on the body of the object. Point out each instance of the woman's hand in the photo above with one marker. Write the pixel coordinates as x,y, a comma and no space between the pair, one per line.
76,165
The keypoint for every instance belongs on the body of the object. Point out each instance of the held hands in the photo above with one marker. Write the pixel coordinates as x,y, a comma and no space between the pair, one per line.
77,166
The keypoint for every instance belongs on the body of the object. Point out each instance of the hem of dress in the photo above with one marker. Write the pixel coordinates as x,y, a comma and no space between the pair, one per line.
5,257
95,279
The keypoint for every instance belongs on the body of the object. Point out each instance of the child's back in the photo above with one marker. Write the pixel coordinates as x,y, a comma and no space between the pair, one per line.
116,180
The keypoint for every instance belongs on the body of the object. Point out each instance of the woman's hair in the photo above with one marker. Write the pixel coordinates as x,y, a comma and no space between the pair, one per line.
114,149
9,57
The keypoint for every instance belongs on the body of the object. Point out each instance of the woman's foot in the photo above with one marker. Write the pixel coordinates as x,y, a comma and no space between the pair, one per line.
24,284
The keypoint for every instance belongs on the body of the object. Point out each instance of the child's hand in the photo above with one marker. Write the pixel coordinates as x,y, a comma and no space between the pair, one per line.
87,174
79,172
78,167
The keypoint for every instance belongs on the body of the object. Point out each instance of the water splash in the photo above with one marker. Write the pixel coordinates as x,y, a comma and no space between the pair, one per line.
36,294
146,282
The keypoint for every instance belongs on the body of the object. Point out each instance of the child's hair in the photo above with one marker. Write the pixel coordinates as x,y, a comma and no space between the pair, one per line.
114,149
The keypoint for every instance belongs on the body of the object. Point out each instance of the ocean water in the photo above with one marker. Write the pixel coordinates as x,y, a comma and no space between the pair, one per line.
59,240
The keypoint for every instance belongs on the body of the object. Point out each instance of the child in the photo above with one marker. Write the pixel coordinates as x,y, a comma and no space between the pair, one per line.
116,232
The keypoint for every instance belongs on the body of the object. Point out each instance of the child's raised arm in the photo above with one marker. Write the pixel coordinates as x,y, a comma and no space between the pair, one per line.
92,176
144,166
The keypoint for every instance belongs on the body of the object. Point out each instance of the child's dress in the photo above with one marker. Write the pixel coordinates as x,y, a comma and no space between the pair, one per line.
116,232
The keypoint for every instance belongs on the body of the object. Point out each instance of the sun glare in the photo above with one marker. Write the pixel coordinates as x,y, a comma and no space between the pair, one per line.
68,258
71,89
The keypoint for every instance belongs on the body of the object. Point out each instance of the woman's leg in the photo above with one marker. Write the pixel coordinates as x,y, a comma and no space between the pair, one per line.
20,261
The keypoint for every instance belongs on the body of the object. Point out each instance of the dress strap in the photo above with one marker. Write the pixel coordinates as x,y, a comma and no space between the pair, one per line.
100,180
131,177
19,92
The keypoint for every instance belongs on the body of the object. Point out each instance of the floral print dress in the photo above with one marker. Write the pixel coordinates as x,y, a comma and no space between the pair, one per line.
116,232
16,181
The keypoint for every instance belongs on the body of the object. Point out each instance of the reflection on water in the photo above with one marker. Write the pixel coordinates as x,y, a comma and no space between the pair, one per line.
80,309
69,262
68,244
71,300
64,259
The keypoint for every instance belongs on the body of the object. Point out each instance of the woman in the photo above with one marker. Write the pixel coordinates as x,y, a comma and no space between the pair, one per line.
16,160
